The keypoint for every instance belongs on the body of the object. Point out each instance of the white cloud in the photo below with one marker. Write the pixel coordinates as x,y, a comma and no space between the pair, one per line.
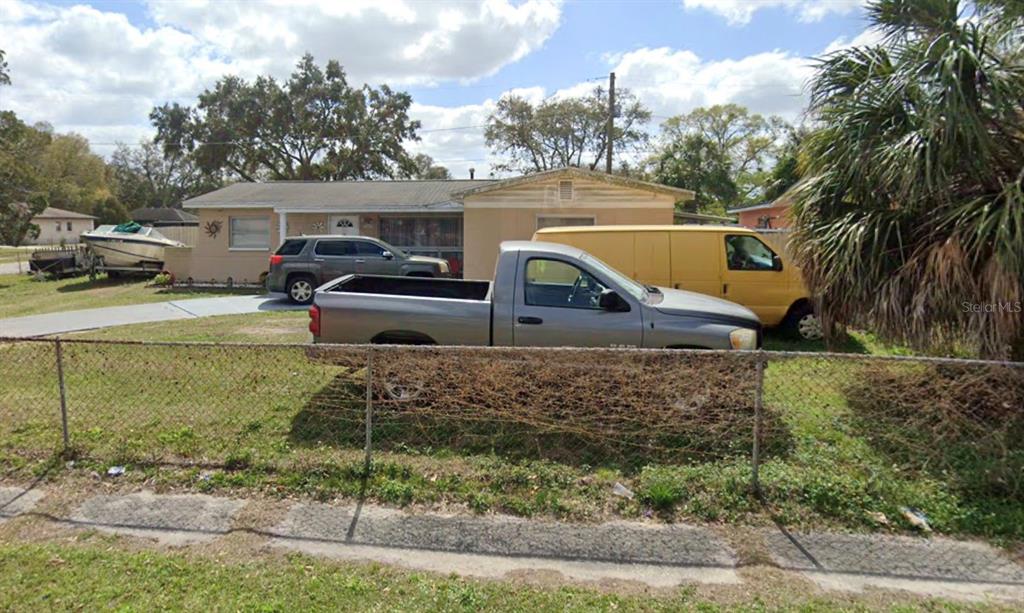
866,38
375,40
740,12
96,72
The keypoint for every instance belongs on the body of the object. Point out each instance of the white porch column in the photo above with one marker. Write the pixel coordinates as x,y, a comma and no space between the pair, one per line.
282,227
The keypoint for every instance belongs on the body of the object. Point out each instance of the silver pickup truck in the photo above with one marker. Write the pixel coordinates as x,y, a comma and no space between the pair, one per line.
543,294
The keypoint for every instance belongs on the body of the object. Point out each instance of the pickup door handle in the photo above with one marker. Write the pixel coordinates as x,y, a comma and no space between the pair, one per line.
360,261
533,321
725,288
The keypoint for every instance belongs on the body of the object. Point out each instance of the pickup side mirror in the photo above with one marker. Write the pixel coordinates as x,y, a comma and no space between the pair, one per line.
610,300
776,263
387,255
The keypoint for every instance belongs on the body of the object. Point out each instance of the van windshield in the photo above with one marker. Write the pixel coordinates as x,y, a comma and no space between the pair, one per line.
632,287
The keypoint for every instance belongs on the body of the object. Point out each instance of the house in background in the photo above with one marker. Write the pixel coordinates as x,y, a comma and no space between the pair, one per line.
58,226
175,224
160,217
462,221
767,216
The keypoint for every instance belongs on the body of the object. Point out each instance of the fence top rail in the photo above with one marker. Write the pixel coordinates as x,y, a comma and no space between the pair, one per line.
761,354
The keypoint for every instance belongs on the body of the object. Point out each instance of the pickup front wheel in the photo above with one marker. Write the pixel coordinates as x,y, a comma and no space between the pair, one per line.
300,290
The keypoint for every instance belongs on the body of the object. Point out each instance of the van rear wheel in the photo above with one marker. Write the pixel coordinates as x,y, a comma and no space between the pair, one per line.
300,290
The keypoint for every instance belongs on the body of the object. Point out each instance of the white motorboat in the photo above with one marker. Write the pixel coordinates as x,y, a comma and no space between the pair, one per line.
128,246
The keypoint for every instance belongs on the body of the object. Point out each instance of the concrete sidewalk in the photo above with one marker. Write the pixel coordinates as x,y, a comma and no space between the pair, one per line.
88,319
657,555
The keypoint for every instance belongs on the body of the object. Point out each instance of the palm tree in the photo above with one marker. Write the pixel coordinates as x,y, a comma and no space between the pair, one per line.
910,218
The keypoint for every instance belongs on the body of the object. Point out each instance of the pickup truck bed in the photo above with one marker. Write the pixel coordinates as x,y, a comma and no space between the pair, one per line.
413,286
416,310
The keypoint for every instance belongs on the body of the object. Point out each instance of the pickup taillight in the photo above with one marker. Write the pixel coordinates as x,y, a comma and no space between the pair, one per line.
314,320
276,259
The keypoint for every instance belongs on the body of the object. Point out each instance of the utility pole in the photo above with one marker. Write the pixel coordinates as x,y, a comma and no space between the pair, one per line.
611,123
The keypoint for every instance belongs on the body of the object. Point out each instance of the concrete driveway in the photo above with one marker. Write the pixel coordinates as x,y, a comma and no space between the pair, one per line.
89,319
13,268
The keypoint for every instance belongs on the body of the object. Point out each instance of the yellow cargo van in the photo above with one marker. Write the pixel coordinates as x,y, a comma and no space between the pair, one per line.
728,262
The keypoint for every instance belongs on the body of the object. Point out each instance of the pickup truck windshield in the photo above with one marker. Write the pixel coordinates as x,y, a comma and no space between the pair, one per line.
632,287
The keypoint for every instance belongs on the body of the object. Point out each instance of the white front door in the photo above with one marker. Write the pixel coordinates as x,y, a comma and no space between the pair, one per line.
346,225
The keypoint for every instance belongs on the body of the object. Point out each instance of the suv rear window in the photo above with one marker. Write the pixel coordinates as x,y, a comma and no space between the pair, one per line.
291,247
365,248
335,248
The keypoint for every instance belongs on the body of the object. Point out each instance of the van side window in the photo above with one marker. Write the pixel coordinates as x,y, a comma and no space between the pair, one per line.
745,252
553,283
335,248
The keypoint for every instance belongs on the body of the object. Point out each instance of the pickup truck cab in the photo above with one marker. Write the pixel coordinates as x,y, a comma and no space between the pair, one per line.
543,294
302,263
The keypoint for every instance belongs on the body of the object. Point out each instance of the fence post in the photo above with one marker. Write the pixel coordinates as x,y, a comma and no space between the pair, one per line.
63,394
755,459
369,411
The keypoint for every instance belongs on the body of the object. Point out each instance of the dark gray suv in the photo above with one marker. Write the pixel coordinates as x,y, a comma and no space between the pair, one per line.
303,263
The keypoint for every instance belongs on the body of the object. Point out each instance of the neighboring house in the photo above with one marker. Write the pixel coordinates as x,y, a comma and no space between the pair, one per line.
175,224
701,219
58,225
159,217
463,221
769,215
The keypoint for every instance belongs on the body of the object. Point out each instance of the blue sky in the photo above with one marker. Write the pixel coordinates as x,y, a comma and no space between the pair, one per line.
98,67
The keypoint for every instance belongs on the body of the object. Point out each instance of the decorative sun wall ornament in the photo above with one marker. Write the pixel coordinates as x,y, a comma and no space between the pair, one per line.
212,228
319,227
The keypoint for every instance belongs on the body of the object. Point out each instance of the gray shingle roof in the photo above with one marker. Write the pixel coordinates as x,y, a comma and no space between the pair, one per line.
162,214
356,196
55,213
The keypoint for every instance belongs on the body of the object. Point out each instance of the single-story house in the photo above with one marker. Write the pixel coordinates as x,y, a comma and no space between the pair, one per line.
463,221
57,225
772,215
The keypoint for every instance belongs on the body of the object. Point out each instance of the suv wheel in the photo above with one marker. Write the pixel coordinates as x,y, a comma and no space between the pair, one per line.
300,290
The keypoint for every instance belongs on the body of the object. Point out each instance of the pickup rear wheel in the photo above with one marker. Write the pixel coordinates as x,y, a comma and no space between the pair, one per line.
300,289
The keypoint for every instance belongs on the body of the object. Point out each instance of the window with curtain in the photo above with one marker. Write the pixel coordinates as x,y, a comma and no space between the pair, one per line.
421,231
249,233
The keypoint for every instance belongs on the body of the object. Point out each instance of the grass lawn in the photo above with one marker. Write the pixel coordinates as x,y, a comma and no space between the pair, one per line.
269,327
95,574
22,295
232,418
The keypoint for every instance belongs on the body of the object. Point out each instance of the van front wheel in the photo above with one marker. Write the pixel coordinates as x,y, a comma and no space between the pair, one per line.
804,323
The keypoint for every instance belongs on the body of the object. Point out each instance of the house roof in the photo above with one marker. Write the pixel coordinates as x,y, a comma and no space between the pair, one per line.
162,214
55,213
353,196
703,217
573,172
755,207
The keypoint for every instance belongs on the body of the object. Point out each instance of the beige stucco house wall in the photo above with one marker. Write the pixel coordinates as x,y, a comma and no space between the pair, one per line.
491,211
514,211
58,225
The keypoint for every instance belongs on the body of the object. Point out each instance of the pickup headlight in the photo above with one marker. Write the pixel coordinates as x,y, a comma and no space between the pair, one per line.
743,338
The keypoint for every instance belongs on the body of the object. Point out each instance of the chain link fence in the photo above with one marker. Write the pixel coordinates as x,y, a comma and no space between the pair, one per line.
960,421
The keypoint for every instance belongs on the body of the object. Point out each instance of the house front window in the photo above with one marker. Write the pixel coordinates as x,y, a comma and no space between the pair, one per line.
249,233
